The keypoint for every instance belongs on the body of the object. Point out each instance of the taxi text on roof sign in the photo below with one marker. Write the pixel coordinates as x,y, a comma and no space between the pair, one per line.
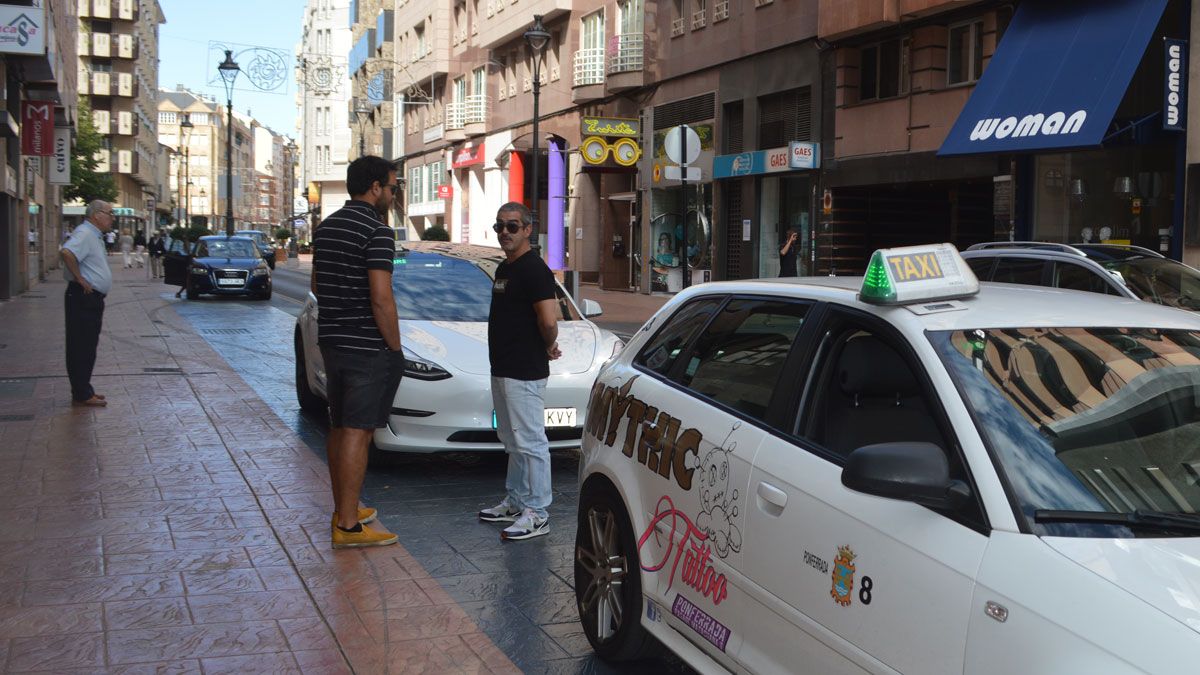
896,276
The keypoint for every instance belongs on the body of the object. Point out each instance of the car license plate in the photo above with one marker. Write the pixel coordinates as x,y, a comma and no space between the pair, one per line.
230,282
554,417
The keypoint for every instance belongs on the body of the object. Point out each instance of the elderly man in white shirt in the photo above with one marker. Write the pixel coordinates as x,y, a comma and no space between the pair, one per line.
89,279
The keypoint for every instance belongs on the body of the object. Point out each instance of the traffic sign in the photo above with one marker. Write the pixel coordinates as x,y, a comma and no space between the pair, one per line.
672,172
691,142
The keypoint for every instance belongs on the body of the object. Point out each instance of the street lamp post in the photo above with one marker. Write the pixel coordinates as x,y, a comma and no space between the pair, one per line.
362,110
185,130
537,38
229,71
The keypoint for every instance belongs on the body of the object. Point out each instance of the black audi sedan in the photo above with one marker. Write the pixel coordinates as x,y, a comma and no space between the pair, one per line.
220,265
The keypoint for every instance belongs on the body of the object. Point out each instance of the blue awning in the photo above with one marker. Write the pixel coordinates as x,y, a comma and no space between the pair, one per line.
1057,77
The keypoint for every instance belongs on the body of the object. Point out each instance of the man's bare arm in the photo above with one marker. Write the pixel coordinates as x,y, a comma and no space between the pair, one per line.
383,307
547,318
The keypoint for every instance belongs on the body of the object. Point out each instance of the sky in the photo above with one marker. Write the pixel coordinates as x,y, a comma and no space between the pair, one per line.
185,55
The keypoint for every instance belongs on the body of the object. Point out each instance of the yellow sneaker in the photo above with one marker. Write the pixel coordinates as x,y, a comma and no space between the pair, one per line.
367,537
365,515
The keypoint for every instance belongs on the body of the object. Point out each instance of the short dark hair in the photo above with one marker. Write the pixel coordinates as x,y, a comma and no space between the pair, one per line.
364,171
526,216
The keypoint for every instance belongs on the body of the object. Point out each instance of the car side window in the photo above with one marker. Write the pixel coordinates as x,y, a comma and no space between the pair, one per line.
739,358
982,267
866,392
201,250
1079,278
1013,270
661,352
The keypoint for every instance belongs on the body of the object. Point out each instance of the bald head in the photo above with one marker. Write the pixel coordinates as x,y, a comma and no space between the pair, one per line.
99,213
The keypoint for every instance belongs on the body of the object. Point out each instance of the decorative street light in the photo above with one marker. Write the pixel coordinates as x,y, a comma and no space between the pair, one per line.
537,38
229,71
185,130
362,110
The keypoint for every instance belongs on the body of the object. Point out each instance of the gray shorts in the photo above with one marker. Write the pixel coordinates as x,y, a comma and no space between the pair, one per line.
361,385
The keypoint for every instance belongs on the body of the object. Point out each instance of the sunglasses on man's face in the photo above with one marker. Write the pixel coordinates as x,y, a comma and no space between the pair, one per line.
513,226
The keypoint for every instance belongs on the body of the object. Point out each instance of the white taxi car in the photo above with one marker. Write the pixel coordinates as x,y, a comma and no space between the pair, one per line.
899,473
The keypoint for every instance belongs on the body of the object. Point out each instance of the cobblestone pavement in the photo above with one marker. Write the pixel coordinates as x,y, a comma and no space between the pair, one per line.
184,528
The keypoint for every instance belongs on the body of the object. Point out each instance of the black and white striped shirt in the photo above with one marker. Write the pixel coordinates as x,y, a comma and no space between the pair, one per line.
349,242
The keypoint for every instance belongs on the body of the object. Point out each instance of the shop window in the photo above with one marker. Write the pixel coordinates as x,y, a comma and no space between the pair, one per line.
883,70
964,60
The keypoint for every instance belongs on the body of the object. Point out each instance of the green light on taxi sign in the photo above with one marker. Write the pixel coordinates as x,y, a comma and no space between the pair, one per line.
877,286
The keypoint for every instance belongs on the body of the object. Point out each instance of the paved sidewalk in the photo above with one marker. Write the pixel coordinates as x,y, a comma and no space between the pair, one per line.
185,527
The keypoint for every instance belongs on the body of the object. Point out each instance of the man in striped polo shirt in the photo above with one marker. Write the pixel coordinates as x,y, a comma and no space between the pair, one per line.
359,336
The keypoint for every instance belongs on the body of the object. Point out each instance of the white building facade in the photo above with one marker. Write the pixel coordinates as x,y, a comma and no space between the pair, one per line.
322,101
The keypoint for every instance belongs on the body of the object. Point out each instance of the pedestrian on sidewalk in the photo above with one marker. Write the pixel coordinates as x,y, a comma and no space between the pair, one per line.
522,340
139,247
126,244
157,248
110,241
358,333
85,267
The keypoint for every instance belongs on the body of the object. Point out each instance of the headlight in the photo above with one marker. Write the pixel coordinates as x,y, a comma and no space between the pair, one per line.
201,271
422,369
261,271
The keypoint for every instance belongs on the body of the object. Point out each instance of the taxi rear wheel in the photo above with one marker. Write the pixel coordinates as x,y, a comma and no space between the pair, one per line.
608,588
305,396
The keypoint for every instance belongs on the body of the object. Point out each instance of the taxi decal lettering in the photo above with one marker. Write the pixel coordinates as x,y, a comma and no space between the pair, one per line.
698,620
690,546
843,578
915,267
816,562
661,446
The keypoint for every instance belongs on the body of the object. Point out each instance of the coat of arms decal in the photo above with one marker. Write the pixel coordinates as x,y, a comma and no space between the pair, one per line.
843,577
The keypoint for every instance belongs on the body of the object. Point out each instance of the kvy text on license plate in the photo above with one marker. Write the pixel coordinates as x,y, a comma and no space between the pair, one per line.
554,417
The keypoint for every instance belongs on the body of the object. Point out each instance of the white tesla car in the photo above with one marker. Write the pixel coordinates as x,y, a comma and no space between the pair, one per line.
443,292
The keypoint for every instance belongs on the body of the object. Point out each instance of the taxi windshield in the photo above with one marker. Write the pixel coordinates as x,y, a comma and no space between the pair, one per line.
1159,280
1086,419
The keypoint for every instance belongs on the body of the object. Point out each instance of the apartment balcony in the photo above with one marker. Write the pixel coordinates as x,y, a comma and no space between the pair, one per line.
500,25
127,10
101,44
102,9
588,84
477,107
85,8
83,44
626,63
455,121
102,84
126,46
125,84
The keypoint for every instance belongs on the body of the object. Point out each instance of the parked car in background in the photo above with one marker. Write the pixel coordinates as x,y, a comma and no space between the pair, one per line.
443,292
262,243
218,265
1128,271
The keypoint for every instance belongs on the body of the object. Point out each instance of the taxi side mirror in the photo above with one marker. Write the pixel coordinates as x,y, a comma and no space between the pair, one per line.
910,471
591,308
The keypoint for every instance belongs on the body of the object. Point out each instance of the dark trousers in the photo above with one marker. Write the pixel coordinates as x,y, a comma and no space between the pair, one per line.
84,312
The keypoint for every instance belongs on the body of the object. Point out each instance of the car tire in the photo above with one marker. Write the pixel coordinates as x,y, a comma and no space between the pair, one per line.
615,636
265,295
305,396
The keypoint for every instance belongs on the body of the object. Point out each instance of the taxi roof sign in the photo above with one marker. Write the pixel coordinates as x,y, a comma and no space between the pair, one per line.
897,276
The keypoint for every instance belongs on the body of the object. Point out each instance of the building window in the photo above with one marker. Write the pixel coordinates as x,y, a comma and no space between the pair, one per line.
884,70
198,118
964,62
415,192
167,117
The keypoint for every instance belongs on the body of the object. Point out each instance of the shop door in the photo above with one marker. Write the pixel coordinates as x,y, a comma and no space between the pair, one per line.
784,207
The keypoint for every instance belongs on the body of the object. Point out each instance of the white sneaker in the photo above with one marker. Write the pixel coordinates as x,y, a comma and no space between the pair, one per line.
527,526
500,513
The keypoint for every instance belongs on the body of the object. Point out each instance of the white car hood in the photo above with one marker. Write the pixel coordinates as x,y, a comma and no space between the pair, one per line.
1164,573
463,345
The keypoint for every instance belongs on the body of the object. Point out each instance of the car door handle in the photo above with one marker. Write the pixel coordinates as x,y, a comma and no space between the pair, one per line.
773,496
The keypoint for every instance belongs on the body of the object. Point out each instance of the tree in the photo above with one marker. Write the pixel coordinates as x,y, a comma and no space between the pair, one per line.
283,234
435,233
86,182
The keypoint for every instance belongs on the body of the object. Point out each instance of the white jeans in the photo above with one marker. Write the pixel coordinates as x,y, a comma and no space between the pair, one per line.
521,425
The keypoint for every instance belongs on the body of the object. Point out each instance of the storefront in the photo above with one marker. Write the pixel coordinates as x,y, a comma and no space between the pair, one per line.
784,181
680,215
1097,145
467,184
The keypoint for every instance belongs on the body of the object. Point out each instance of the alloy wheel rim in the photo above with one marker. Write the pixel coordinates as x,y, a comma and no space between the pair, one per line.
605,569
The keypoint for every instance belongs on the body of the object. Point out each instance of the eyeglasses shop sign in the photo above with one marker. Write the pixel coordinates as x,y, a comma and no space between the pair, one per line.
1175,85
22,30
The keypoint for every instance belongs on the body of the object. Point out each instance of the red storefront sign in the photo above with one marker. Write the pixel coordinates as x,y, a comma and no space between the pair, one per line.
469,156
37,128
445,191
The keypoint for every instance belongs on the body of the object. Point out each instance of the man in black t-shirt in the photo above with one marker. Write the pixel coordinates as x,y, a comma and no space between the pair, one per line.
522,340
359,336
